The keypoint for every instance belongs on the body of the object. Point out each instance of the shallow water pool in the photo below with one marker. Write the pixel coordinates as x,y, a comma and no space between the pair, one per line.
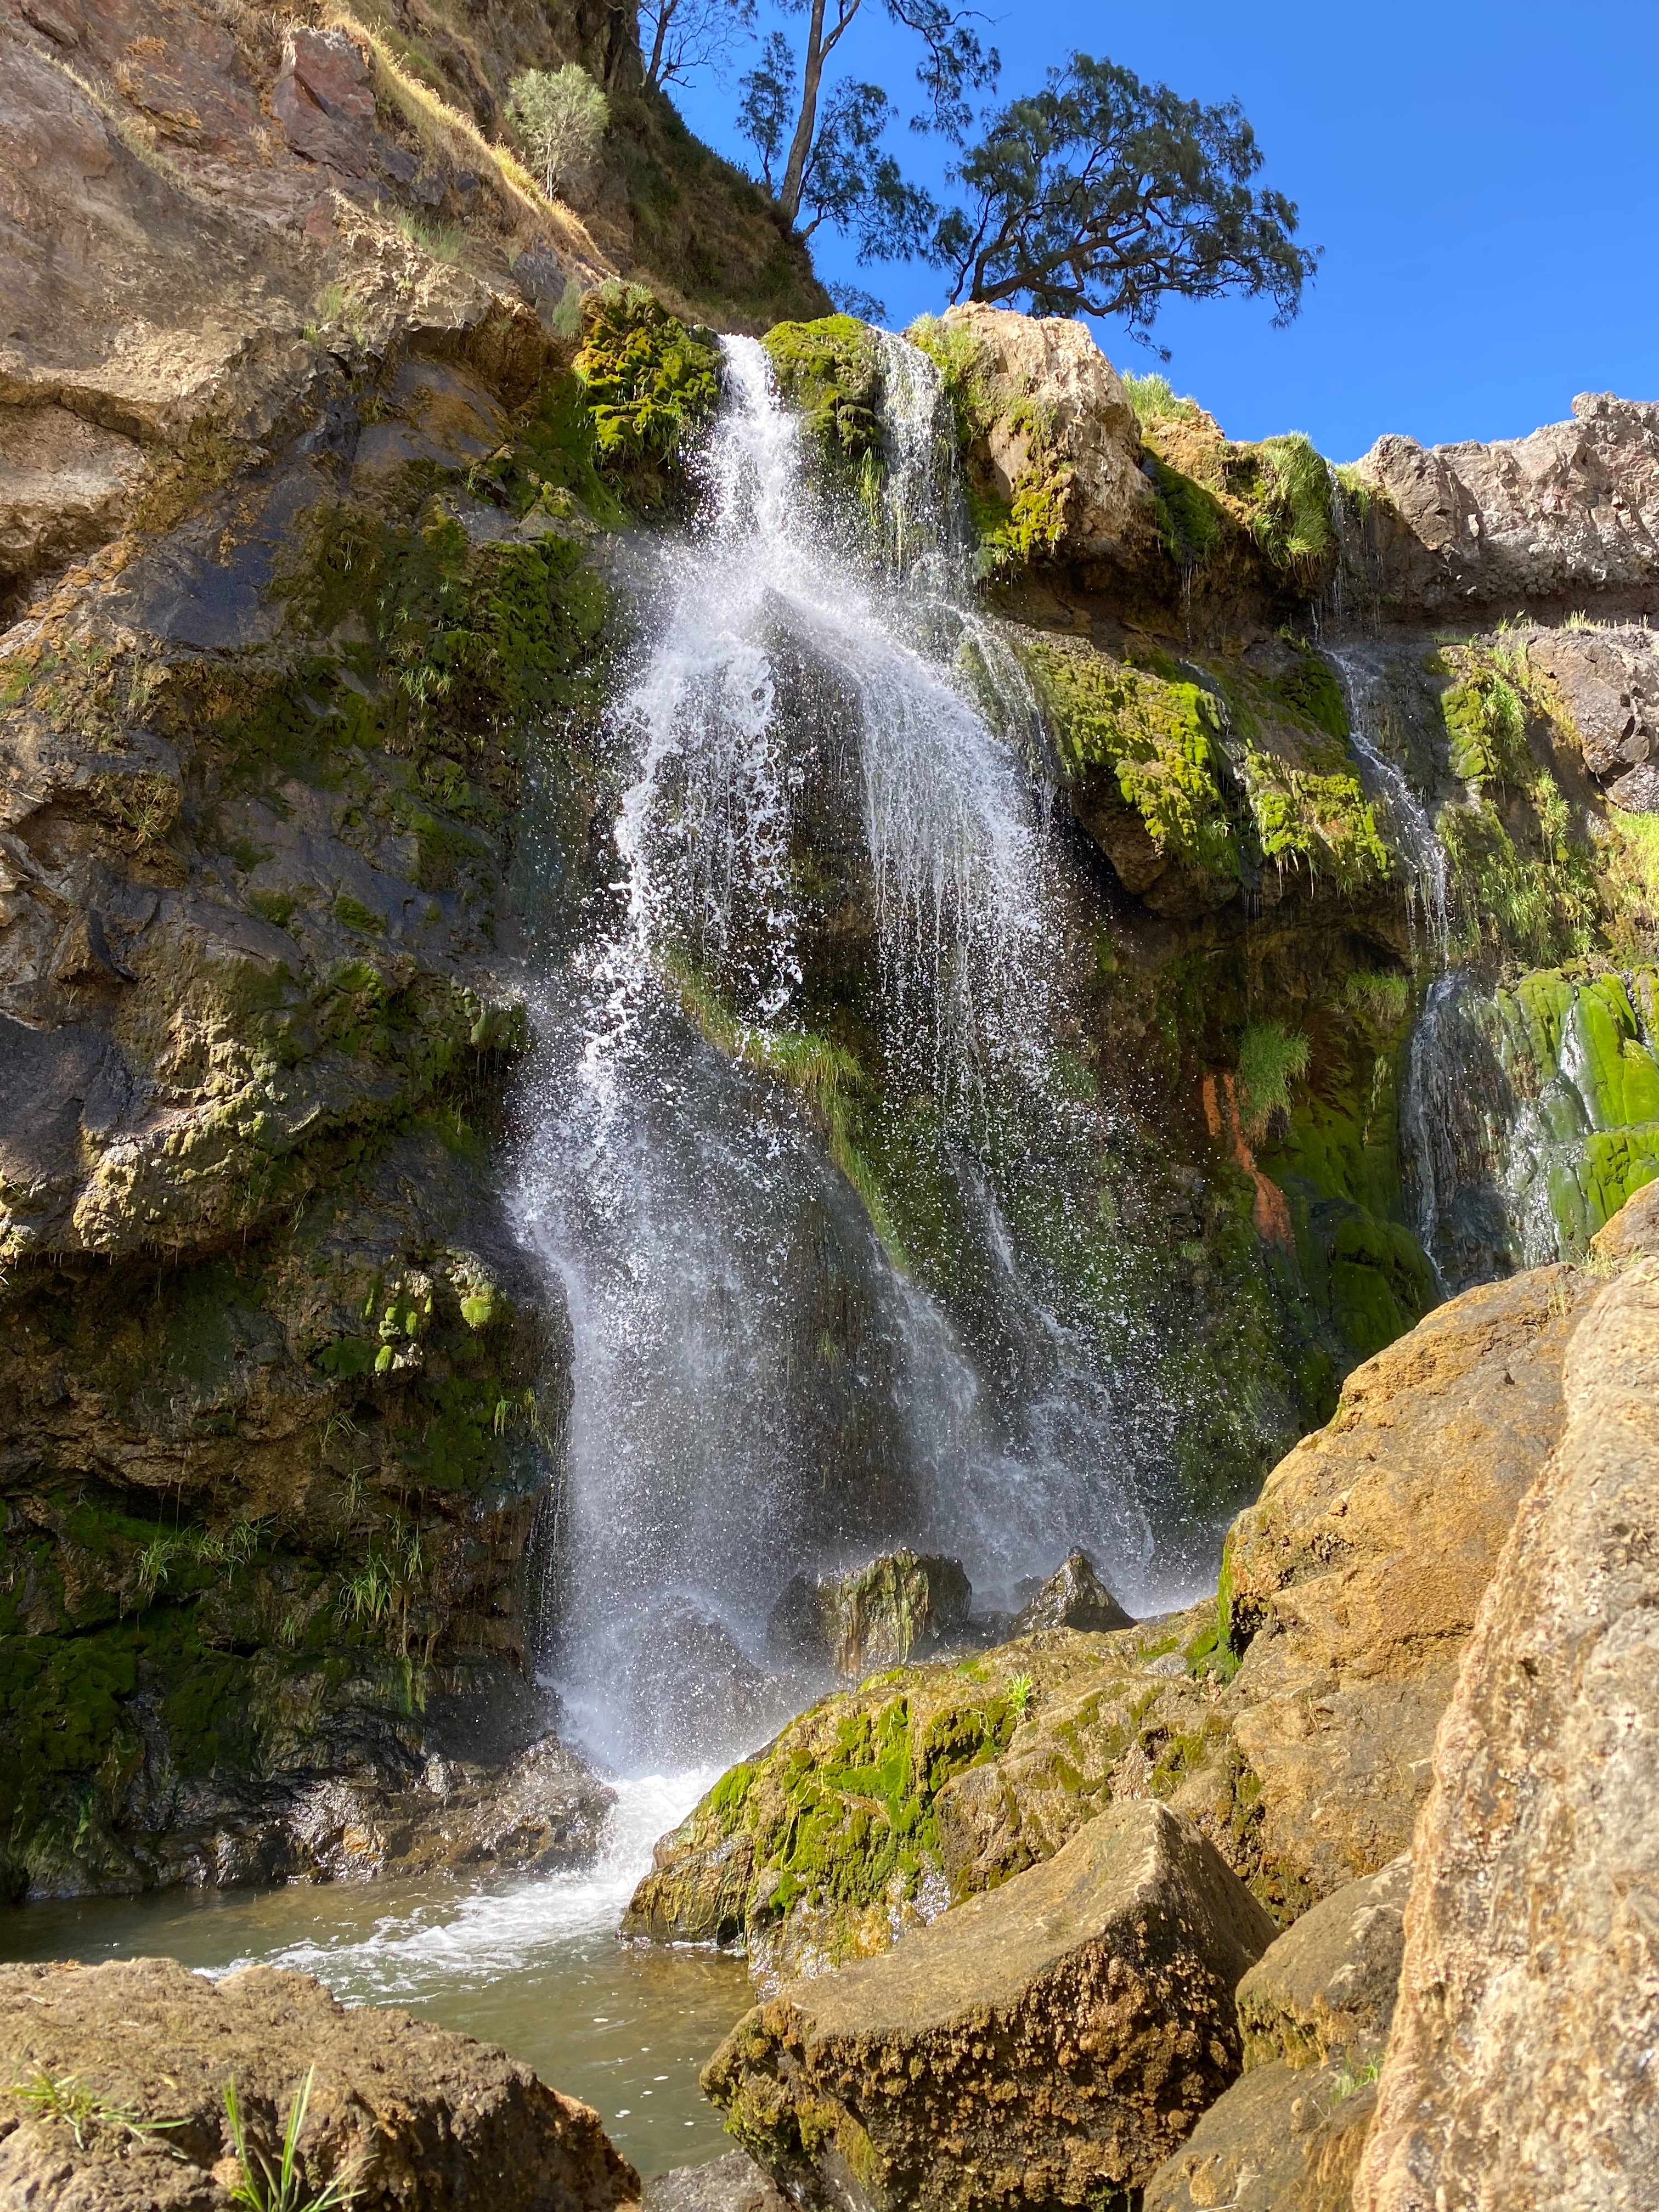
532,1963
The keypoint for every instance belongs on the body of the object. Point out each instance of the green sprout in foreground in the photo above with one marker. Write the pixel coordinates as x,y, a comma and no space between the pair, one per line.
283,2187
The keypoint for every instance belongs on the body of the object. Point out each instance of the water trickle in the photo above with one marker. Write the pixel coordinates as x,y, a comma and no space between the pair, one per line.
1456,1115
1415,836
758,1386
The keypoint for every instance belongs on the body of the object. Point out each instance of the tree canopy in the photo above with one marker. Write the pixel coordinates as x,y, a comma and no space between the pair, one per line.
1103,196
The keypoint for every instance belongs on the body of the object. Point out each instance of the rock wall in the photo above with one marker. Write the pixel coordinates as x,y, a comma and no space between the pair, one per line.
298,501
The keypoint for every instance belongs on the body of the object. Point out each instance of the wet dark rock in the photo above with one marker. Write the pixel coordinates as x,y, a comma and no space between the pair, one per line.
1073,1596
731,2184
903,1604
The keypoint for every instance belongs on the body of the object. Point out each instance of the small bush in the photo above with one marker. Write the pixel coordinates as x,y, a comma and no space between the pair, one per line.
561,117
1154,400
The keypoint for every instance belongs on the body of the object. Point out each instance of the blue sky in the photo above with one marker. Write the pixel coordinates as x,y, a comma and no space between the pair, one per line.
1483,181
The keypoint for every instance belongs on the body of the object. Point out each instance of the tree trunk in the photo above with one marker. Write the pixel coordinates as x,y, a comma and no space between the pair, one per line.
801,146
664,16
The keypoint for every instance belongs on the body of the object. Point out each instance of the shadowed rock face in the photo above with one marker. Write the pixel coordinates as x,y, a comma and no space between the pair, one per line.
1517,2072
419,2118
1313,2012
1041,2045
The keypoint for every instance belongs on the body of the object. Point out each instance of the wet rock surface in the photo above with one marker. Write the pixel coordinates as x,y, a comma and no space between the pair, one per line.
1516,2072
1044,2043
402,2112
902,1604
1073,1596
732,2184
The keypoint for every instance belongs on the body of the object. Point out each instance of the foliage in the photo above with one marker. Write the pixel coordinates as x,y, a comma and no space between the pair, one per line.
1153,399
1527,885
846,180
681,38
65,2097
283,2186
1291,490
561,117
651,386
1269,1059
1104,196
1486,724
830,372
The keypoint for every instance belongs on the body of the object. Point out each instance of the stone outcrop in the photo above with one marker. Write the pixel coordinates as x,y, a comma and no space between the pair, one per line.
1517,2071
1046,2043
901,1605
1314,2013
1057,442
1294,1723
121,2072
1564,515
1351,1615
1073,1596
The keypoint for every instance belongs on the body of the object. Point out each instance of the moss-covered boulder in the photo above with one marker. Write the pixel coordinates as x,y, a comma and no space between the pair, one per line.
652,388
900,1604
1050,2043
831,373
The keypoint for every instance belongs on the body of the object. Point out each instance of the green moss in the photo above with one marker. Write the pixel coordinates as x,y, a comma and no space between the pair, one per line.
652,386
1191,519
1486,725
1159,741
830,372
1311,692
1526,886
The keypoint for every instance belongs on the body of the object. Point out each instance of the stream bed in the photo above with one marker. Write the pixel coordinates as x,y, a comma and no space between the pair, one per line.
529,1962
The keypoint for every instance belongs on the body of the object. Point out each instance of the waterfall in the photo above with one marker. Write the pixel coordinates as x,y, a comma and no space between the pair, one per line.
759,1385
1416,839
1457,1112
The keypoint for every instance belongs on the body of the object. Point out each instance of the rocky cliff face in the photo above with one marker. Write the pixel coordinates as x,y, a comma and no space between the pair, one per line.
286,448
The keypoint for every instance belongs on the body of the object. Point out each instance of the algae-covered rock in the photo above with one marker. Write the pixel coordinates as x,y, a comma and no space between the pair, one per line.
830,371
1516,2072
398,2113
1073,1596
1051,445
651,386
903,1604
1046,2043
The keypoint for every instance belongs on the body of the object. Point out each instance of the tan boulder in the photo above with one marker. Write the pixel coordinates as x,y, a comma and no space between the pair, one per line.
1352,1582
877,1615
1518,2076
141,2051
1058,430
1313,2012
1046,2043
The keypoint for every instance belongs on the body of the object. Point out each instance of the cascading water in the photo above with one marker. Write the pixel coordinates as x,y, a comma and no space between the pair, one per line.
759,1387
1415,836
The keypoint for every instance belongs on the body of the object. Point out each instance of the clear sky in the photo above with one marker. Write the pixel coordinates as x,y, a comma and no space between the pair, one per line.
1485,181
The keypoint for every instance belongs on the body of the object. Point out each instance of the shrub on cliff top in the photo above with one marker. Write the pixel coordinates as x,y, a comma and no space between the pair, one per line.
560,116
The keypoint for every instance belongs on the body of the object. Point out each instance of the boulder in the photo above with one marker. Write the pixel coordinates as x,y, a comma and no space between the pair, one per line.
1519,2070
1352,1585
1633,1232
1073,1596
1314,2014
1058,437
1047,2043
125,2066
731,2184
903,1603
